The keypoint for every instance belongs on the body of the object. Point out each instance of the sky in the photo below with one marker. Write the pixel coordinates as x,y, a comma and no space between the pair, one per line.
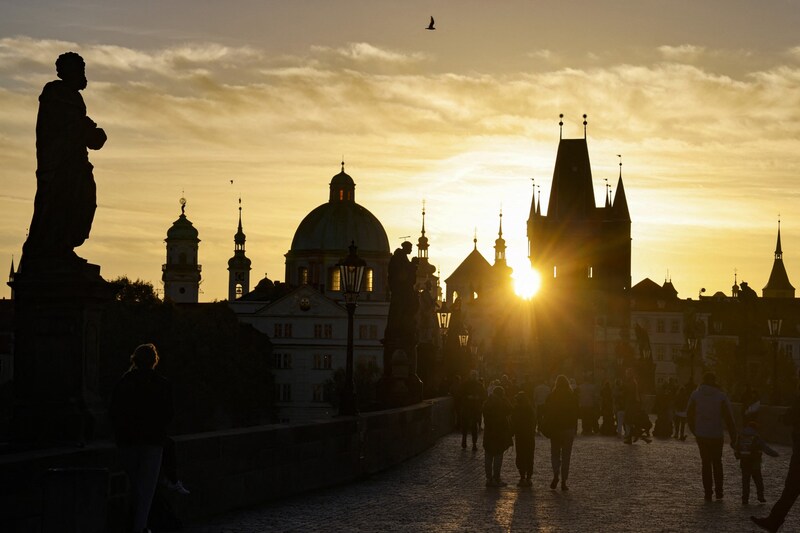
701,99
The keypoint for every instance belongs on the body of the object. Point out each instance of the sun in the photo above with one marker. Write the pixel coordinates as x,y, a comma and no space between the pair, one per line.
527,282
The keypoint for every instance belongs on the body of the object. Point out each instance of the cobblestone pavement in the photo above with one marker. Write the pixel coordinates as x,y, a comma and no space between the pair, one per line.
613,487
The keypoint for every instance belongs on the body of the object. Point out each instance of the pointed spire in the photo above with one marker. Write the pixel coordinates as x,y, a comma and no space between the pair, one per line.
475,238
342,163
608,195
620,204
539,201
500,244
11,272
422,242
778,285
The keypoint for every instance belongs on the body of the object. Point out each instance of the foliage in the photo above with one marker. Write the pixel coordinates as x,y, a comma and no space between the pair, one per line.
137,291
219,368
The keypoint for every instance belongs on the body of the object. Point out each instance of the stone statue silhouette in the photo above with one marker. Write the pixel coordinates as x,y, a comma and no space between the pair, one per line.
401,322
65,189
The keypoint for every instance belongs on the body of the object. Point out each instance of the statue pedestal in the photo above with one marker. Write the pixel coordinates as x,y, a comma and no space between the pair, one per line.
56,354
400,384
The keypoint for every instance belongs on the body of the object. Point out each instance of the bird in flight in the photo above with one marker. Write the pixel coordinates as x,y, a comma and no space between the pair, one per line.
430,26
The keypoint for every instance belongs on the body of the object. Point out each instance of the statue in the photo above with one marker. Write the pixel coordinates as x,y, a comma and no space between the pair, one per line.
65,189
401,322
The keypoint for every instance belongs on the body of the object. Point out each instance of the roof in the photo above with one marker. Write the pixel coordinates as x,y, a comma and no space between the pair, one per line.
474,266
572,192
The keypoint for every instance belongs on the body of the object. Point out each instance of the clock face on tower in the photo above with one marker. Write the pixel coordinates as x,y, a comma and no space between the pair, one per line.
305,304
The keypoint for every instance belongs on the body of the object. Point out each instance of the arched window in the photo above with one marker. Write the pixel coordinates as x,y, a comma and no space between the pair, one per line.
336,279
368,283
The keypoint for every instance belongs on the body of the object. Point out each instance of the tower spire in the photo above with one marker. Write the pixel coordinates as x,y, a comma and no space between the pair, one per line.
422,242
584,126
560,126
475,238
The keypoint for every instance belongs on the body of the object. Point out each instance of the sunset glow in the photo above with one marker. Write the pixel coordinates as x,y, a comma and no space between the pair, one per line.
527,282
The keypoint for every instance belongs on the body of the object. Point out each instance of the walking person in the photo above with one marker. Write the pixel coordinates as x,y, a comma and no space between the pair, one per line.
749,449
607,409
141,408
561,424
619,407
681,400
707,412
471,397
496,435
523,424
540,394
791,487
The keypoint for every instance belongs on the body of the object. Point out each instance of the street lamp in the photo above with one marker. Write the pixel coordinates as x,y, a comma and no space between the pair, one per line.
351,269
463,339
692,342
443,317
774,325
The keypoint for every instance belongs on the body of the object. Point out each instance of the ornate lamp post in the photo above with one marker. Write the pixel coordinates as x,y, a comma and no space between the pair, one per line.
463,339
351,269
774,325
692,343
443,316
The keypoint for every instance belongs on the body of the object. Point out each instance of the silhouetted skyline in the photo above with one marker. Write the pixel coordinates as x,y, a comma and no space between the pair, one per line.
701,104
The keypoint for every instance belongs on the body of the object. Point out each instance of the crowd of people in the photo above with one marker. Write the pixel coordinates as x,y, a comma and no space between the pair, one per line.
513,414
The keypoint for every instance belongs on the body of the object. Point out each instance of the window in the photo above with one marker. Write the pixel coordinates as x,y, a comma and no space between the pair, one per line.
368,286
322,361
238,290
336,279
590,273
317,331
787,349
287,330
555,271
278,331
302,275
676,352
659,352
675,326
367,331
660,325
283,360
319,393
328,331
283,392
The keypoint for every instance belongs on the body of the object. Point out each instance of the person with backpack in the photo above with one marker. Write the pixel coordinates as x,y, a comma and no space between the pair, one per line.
749,450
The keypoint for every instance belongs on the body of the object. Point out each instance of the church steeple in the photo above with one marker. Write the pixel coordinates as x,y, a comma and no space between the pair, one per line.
239,264
620,208
422,242
500,245
778,285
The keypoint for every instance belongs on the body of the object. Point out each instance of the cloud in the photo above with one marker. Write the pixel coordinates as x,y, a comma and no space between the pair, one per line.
684,52
365,52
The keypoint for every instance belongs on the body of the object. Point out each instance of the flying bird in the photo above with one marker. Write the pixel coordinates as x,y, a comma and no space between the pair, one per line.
430,26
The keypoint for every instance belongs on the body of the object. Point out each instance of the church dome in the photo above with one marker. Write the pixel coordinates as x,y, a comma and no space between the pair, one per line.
182,229
340,221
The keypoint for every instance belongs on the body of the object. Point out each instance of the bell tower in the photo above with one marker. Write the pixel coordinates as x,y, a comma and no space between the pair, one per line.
238,265
181,272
